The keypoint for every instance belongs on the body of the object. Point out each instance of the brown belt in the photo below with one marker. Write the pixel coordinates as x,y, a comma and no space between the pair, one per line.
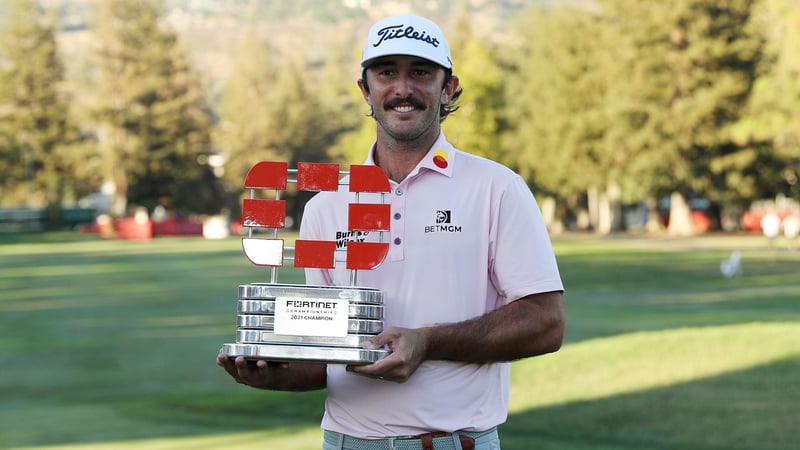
467,443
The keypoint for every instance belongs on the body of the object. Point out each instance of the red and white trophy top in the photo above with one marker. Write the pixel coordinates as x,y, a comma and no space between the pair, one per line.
270,213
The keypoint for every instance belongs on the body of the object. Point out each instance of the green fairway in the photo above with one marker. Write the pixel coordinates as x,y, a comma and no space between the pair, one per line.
111,344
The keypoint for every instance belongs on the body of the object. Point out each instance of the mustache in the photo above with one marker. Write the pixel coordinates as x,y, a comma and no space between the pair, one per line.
411,100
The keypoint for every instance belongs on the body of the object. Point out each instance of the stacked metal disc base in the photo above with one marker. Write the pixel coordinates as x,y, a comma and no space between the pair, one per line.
256,339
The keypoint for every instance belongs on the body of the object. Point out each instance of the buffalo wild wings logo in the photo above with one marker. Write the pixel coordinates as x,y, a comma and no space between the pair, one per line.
343,237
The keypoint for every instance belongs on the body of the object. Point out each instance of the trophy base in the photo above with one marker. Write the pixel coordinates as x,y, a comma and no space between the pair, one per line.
302,353
258,306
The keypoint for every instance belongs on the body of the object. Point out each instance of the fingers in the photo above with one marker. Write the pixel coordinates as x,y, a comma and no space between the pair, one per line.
392,367
227,363
243,371
369,371
407,350
379,340
259,373
255,373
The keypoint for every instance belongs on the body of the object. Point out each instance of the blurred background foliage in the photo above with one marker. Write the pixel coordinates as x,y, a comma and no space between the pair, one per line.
598,104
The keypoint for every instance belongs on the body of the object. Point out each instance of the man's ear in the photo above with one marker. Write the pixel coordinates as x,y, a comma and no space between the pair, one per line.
449,89
364,89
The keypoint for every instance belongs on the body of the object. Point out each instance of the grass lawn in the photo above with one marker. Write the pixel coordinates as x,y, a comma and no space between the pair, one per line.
111,344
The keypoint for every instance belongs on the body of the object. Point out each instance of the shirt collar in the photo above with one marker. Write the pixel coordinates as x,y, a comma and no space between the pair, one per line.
438,159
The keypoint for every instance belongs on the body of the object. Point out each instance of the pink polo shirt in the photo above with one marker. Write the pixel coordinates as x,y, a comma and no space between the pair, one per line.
466,238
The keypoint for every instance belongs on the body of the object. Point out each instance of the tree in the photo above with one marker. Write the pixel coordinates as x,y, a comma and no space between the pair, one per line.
691,73
722,170
356,130
476,126
770,127
351,144
35,130
637,94
150,106
248,116
273,110
306,131
556,101
339,96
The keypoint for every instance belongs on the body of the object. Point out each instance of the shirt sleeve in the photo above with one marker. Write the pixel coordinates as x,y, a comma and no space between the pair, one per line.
523,261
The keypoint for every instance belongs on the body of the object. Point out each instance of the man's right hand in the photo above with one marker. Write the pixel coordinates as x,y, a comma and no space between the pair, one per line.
274,375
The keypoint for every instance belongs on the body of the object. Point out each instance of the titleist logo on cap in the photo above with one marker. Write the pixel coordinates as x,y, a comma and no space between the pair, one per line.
399,32
407,35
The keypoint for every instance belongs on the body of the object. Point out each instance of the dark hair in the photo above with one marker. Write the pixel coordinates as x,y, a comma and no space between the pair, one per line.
448,108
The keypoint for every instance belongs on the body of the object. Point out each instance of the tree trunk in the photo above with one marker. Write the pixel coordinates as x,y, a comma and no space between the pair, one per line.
680,216
549,214
609,211
119,203
653,224
593,204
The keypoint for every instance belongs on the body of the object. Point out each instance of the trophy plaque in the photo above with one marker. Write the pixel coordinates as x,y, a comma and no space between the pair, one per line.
294,322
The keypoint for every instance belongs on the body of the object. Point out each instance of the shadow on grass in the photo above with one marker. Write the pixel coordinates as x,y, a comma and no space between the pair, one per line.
751,409
641,290
244,410
134,422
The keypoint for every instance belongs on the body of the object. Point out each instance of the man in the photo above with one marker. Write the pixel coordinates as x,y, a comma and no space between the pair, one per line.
470,282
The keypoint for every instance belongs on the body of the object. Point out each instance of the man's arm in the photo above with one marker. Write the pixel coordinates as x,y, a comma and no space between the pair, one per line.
276,376
530,326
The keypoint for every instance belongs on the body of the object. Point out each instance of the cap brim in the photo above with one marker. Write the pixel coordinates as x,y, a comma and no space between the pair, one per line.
368,62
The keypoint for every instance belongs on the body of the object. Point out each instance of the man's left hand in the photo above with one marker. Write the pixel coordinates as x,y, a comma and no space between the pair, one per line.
407,347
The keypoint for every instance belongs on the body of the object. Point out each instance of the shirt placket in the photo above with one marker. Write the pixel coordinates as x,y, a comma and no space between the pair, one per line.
397,231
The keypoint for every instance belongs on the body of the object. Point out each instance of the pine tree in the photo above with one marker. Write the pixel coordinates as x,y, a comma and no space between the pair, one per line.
638,94
34,115
152,111
691,66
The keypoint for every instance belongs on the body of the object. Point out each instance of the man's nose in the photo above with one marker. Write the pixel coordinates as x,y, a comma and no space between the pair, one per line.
403,86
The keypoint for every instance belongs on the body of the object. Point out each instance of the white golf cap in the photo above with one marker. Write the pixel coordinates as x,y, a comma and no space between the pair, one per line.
407,34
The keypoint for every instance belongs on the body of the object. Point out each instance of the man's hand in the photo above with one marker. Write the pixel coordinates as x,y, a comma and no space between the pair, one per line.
258,374
273,375
408,350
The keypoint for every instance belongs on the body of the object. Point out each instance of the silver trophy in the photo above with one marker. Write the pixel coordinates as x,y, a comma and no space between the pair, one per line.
292,322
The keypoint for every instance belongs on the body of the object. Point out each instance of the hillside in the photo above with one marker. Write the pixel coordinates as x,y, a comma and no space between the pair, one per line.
211,29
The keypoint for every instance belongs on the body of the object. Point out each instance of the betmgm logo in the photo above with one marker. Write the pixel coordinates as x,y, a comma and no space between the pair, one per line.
443,223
